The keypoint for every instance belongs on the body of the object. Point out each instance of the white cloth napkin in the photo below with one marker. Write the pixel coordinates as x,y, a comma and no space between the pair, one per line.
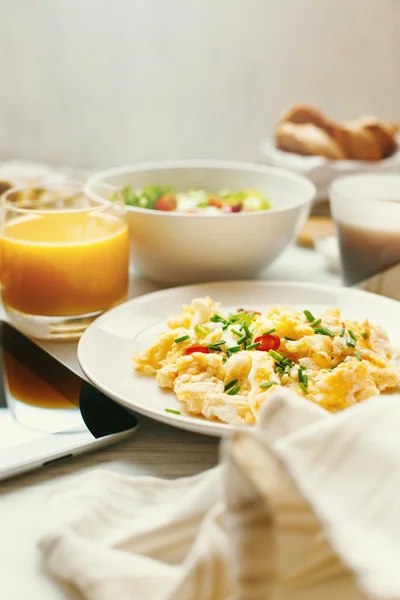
303,507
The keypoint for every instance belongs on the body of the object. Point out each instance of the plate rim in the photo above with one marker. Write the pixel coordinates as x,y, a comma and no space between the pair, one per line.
187,422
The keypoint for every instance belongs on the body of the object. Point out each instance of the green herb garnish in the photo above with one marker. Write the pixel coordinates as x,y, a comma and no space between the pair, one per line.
217,319
351,343
303,388
268,384
171,410
233,349
236,332
365,335
230,385
309,316
201,331
252,346
242,339
278,357
352,335
247,331
324,331
234,390
220,343
302,377
269,331
357,355
316,322
289,339
182,339
342,332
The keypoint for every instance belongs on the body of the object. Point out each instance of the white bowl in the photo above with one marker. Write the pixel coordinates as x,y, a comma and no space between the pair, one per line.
177,248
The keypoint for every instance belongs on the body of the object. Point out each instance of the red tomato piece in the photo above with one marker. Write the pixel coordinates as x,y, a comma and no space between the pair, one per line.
202,349
268,342
232,208
165,202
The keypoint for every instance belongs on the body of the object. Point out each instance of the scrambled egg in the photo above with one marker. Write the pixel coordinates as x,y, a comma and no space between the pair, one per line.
224,367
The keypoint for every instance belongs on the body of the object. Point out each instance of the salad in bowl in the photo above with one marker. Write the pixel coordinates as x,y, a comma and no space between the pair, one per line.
194,201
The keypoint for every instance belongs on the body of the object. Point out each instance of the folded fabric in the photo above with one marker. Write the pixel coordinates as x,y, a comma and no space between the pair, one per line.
302,507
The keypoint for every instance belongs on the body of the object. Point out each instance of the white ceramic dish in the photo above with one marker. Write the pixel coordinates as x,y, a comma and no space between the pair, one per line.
178,248
106,348
322,171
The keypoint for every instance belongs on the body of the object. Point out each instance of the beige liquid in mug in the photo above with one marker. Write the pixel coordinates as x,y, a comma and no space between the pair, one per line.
366,252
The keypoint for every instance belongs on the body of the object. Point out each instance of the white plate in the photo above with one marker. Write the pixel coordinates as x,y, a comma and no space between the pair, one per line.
106,348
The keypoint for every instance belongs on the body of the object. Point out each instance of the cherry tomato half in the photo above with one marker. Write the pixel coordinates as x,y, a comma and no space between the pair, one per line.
268,342
202,349
166,202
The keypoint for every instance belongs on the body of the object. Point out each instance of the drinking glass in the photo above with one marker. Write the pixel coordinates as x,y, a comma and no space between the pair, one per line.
64,257
366,210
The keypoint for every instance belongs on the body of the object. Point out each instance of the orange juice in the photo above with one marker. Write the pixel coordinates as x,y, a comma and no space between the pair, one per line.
27,387
64,264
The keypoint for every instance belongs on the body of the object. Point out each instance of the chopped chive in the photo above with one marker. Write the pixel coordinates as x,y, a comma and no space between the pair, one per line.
224,360
289,339
268,384
351,343
348,359
242,339
171,410
303,379
278,357
233,349
234,390
357,355
310,317
225,327
279,370
252,346
230,385
352,335
269,331
324,331
286,361
287,369
182,339
302,367
342,332
236,332
201,331
303,388
365,335
217,319
247,331
216,344
316,322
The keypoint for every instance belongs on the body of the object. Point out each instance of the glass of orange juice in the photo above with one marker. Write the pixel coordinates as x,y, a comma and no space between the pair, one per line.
64,257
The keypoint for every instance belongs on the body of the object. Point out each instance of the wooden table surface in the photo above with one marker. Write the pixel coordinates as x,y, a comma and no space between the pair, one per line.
156,449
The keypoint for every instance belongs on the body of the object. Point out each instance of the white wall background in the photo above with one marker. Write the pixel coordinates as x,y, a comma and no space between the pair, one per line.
103,82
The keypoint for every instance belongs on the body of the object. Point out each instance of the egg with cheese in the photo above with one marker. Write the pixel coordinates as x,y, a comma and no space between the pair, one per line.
224,367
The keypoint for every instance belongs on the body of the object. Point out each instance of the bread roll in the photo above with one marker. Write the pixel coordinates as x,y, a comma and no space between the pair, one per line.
302,114
308,140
